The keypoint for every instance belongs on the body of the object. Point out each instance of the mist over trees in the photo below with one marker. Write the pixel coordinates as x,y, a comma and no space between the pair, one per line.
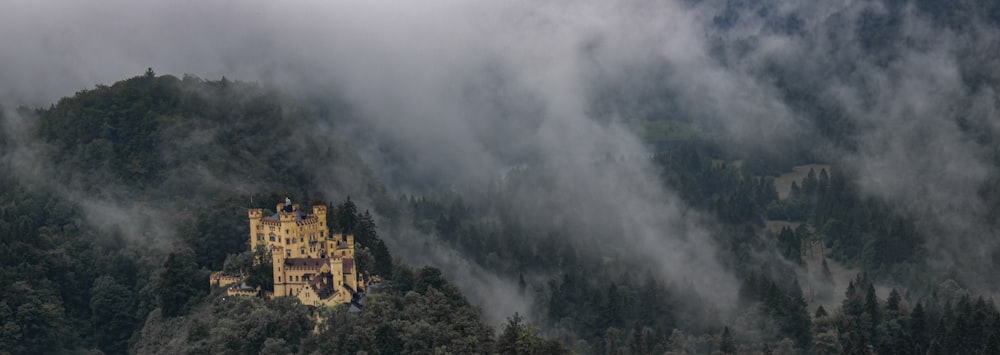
602,177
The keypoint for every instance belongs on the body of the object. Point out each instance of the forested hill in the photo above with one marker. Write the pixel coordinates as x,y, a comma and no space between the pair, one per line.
165,134
120,199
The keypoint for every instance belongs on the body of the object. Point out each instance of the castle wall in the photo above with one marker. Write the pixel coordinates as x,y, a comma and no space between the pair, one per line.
217,279
290,237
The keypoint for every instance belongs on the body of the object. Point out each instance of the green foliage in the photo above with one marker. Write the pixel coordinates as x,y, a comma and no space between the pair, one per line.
72,288
366,235
181,284
261,272
233,325
67,287
112,306
117,127
862,232
347,216
785,306
520,338
435,320
218,231
790,245
238,264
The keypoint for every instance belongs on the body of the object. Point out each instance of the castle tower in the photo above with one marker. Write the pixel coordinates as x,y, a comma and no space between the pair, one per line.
256,229
307,261
320,212
277,263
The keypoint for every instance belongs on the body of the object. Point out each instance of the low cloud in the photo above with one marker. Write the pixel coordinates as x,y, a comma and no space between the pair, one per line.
464,92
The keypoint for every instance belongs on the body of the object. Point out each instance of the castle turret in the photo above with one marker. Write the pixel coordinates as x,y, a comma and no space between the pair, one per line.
256,228
320,212
277,263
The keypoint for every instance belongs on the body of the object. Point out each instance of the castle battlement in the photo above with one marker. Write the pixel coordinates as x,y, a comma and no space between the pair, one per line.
233,291
308,261
308,221
218,279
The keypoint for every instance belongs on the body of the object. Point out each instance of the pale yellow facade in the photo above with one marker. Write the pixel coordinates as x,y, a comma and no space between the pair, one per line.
310,264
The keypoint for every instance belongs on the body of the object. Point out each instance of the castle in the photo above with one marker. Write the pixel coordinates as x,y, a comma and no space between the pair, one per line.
309,263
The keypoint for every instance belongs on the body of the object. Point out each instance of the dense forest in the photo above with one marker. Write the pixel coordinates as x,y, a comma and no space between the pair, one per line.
77,286
856,228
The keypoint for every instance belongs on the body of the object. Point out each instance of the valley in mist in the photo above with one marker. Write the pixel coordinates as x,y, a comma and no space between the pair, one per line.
691,176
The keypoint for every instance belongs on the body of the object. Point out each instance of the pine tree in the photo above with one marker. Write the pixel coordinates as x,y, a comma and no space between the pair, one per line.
827,275
918,328
809,184
727,345
871,306
180,282
820,312
347,216
892,304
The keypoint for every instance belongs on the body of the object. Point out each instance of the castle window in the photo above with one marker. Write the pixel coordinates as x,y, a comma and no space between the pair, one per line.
320,233
302,239
288,253
279,279
320,224
302,250
287,241
272,237
286,231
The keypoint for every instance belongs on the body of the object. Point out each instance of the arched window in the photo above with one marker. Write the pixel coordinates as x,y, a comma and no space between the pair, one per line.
272,236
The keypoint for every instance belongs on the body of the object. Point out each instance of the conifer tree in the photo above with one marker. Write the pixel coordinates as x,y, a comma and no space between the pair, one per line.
727,345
